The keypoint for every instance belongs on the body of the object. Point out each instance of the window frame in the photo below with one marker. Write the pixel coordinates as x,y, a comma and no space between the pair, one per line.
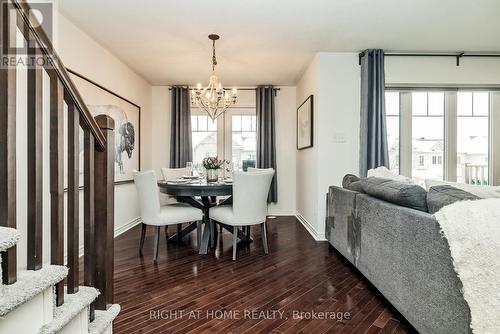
450,156
224,126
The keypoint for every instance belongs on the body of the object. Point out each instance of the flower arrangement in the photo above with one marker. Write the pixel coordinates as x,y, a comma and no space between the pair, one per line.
213,163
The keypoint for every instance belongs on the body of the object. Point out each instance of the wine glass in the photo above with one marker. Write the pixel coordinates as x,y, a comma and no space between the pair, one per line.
189,167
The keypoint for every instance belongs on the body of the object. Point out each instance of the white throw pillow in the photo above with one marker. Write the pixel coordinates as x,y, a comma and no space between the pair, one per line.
385,173
479,191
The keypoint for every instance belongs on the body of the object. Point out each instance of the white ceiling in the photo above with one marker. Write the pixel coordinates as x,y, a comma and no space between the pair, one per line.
271,41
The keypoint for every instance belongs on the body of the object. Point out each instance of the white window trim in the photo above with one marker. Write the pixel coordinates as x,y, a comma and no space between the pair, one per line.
450,131
224,127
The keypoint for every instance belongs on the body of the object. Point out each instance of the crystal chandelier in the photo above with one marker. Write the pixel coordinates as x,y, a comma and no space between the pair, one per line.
214,99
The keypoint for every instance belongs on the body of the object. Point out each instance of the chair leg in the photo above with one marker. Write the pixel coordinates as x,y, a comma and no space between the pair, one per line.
212,233
198,234
166,232
248,233
264,237
179,228
157,243
143,236
235,241
220,228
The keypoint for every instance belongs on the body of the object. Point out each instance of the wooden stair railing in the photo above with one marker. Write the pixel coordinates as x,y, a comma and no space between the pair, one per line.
98,164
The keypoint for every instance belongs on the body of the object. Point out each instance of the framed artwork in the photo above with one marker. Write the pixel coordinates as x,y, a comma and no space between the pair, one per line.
127,117
305,124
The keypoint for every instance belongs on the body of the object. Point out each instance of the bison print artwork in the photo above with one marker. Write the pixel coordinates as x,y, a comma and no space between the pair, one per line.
126,115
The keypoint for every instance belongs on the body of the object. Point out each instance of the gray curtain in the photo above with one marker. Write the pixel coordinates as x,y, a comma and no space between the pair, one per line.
181,150
266,135
374,151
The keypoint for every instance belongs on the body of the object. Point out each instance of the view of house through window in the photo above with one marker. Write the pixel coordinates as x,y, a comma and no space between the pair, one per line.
244,141
472,137
392,112
427,135
204,137
232,136
428,149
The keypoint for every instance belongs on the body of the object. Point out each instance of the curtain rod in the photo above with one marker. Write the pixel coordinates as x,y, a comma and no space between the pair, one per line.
456,55
170,88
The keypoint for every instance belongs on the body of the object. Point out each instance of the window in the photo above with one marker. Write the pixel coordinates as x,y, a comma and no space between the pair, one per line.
244,141
427,134
468,136
437,160
421,161
472,137
392,112
232,136
204,137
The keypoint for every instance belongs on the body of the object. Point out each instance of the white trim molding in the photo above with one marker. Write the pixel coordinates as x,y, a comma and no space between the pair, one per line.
312,231
127,226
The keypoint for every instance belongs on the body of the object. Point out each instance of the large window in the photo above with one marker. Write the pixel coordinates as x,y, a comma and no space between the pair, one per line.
427,135
204,137
392,111
244,141
232,136
472,137
449,137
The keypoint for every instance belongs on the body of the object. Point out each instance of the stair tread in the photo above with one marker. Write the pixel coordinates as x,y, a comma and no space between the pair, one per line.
103,319
73,305
8,238
29,284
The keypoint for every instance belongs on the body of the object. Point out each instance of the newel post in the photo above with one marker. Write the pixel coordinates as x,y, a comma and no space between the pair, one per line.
104,198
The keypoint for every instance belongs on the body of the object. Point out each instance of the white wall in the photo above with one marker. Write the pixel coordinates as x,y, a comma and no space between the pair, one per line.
334,80
338,128
285,136
307,160
443,71
81,53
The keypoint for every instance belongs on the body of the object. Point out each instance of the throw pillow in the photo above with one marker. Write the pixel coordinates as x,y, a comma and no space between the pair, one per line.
401,193
479,191
441,196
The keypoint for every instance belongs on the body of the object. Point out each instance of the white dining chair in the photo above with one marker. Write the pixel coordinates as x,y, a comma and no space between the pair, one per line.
249,205
155,215
170,174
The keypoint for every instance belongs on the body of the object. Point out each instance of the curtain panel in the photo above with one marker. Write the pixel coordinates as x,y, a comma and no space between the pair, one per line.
374,151
266,135
181,150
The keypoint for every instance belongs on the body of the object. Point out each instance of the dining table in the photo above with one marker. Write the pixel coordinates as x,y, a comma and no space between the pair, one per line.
202,195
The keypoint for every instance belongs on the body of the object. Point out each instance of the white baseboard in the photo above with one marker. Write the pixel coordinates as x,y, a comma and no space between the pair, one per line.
127,226
312,231
120,230
282,213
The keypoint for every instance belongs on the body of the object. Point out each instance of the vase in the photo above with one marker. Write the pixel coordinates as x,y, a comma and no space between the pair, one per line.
212,175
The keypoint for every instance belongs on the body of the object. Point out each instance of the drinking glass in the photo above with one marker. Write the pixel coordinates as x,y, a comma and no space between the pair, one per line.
189,166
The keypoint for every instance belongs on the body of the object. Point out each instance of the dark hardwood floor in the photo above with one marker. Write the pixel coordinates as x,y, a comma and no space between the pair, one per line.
190,293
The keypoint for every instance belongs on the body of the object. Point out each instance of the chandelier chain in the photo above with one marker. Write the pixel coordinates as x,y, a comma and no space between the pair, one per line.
214,59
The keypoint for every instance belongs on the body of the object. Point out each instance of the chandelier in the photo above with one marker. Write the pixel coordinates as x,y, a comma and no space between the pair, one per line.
214,99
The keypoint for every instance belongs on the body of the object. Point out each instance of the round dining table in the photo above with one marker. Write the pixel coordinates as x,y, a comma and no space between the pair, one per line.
191,192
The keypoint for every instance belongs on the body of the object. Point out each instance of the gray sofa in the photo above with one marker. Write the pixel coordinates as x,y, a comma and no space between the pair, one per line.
401,252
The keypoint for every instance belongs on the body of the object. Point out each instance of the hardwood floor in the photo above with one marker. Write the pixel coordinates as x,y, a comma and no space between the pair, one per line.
190,293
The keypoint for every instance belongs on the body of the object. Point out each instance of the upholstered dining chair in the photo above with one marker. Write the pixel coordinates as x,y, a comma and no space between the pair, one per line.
155,215
249,205
170,174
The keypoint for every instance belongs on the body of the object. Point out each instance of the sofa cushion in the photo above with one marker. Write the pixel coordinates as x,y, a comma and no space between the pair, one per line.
479,191
352,182
440,196
401,193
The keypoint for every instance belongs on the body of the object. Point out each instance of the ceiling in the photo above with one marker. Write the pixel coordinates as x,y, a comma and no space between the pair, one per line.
271,41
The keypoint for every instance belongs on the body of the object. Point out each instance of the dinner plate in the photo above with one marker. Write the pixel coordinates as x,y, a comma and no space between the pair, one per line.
190,177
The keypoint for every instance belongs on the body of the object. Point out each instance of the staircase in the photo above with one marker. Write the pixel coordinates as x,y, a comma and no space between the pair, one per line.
55,296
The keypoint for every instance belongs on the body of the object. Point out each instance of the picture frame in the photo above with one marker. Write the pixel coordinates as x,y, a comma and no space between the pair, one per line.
127,117
305,124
